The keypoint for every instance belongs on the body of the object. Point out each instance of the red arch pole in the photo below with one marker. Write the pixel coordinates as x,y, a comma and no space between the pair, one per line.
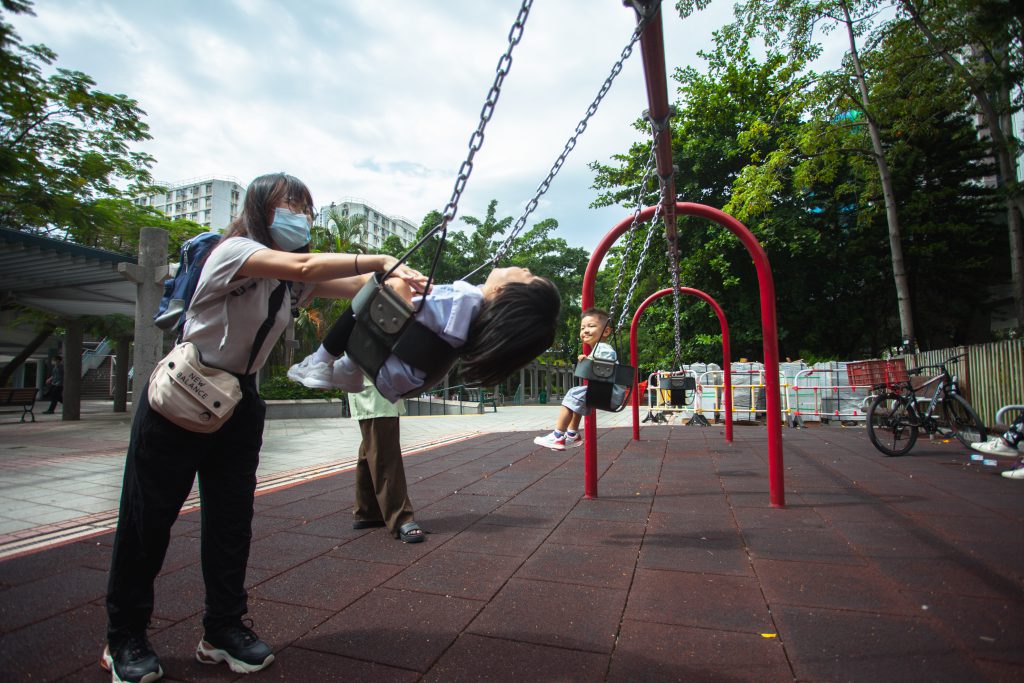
726,354
769,331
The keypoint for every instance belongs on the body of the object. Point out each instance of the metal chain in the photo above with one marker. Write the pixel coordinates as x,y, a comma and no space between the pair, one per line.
638,202
674,265
504,248
640,264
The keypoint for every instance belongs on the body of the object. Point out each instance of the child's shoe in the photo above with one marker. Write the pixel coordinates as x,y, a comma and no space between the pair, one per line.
555,443
311,373
573,440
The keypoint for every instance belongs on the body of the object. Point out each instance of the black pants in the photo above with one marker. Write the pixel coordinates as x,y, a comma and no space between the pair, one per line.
381,491
162,463
56,396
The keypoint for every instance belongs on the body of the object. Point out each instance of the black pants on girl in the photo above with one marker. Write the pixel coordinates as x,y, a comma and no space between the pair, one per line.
336,340
162,463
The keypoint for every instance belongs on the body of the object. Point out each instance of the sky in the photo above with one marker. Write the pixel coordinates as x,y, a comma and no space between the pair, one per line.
377,100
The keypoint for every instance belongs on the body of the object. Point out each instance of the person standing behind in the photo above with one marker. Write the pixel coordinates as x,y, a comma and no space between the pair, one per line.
56,382
382,497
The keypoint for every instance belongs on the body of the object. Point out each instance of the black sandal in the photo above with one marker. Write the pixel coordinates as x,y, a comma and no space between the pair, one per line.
411,532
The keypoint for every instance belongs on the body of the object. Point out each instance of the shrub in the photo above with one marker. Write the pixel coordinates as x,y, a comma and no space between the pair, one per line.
282,388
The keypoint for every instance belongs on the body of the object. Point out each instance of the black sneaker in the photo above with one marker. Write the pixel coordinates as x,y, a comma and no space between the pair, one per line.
238,646
131,659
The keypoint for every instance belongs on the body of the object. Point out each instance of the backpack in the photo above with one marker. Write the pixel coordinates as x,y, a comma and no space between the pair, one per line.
178,291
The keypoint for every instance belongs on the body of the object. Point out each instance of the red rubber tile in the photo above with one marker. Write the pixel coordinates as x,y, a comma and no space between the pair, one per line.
476,658
711,601
472,576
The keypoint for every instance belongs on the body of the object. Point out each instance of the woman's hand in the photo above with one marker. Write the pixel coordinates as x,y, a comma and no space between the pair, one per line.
416,280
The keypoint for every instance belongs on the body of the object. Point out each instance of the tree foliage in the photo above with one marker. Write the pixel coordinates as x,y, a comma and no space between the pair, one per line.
67,167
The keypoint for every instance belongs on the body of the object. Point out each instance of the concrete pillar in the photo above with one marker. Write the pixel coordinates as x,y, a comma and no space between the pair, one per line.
72,404
148,275
122,359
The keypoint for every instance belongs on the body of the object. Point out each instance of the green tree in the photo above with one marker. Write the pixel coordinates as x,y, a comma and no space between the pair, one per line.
66,164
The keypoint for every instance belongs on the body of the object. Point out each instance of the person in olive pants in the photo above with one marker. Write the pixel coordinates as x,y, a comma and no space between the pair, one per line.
382,498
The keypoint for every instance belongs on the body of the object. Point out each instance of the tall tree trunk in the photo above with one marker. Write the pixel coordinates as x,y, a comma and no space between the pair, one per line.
16,362
899,271
1002,152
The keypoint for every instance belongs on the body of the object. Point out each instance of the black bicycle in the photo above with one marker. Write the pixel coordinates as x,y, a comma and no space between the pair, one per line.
896,413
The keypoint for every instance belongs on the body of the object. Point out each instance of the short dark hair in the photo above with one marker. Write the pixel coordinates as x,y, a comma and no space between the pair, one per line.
261,198
511,330
599,313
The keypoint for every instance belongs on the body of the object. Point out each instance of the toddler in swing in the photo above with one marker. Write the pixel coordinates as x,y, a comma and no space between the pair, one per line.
594,329
497,328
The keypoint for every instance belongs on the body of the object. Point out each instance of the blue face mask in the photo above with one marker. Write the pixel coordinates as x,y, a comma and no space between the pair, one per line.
290,230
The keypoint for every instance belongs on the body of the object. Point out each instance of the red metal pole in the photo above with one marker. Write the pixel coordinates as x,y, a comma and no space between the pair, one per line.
726,353
769,331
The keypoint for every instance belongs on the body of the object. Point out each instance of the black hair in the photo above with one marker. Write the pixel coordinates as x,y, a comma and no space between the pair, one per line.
512,329
599,313
262,196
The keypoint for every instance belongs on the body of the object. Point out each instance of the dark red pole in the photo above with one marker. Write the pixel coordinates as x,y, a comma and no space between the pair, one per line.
769,331
726,353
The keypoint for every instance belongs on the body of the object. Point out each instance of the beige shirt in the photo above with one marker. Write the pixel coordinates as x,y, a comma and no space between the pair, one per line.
225,313
369,403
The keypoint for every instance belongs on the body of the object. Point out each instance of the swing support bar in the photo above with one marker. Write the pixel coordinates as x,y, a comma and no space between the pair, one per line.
633,353
769,331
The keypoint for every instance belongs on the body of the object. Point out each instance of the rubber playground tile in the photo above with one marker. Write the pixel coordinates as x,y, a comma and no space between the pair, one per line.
599,566
337,527
498,539
471,576
695,551
404,629
499,486
50,595
663,652
262,526
994,628
380,546
557,614
830,586
583,531
952,575
893,538
709,501
611,510
537,516
790,517
831,645
306,509
302,664
33,567
284,549
326,582
556,496
803,545
78,635
713,601
476,658
446,521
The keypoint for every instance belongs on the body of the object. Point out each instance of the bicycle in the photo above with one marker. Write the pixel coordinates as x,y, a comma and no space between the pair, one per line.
895,416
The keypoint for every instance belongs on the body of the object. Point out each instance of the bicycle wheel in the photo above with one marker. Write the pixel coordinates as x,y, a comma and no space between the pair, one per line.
890,427
961,420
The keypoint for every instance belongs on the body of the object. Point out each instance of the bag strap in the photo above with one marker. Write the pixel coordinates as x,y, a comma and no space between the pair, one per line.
276,297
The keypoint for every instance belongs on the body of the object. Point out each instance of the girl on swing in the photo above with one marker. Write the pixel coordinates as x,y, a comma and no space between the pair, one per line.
498,328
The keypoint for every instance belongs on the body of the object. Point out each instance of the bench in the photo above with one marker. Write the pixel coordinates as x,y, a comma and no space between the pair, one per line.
24,398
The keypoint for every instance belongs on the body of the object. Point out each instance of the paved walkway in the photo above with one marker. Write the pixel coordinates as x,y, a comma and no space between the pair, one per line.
878,569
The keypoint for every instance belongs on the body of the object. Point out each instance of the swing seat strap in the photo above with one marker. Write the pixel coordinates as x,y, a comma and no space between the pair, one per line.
385,325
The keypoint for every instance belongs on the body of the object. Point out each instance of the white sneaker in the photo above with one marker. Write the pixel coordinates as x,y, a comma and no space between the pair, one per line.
1017,472
551,441
310,373
997,447
346,375
574,441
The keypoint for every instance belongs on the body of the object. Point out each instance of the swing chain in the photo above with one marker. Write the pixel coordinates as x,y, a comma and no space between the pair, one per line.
570,144
476,140
633,228
674,265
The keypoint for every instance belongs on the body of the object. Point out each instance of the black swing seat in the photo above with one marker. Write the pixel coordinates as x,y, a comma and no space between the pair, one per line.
602,376
681,390
386,325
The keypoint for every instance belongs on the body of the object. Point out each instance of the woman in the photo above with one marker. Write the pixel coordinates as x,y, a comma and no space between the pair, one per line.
264,247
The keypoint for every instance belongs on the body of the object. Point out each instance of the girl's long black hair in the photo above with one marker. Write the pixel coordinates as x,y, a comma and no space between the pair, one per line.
511,330
262,196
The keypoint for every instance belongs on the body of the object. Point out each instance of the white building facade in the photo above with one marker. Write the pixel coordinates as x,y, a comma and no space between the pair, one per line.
212,202
377,226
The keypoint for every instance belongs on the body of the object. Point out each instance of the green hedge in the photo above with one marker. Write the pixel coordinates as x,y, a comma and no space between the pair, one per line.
282,388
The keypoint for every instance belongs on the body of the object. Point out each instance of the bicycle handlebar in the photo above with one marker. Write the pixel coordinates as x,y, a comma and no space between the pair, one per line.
952,360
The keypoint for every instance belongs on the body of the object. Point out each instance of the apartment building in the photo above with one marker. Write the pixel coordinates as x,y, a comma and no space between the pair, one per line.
376,226
212,202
